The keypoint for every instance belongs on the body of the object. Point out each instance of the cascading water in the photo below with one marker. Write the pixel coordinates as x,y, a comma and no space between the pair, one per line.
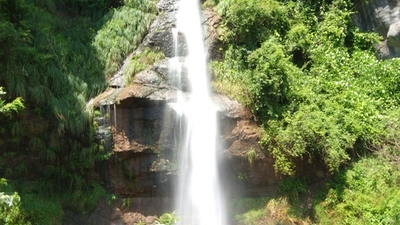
199,198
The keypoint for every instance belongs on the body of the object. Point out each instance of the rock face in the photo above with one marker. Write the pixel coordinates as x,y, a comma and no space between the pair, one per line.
137,124
161,31
383,17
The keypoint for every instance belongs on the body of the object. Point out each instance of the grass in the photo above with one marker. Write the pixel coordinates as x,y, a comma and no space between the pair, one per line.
268,210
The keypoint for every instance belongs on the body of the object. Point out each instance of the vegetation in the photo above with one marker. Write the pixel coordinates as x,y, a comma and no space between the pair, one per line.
140,61
251,156
56,56
167,219
268,211
314,84
123,31
308,74
10,206
362,195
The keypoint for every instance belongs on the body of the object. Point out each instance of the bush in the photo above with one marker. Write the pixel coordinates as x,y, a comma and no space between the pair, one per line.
311,82
167,219
10,201
364,195
250,23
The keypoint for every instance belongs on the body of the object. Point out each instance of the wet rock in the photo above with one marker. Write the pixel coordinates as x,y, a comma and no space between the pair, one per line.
212,21
168,5
176,70
381,17
161,37
393,35
142,122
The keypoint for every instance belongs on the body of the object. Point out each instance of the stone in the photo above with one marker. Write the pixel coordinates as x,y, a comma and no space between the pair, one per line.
142,131
161,37
168,5
212,21
165,67
381,17
393,35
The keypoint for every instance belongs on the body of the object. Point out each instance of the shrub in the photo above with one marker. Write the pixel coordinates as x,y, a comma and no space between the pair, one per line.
250,23
167,219
313,84
364,195
10,201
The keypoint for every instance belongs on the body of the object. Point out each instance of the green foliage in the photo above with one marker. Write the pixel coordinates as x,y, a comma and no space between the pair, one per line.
49,58
388,145
231,76
10,201
251,156
251,217
250,23
141,61
309,76
13,107
86,198
167,219
259,80
363,194
141,223
122,33
40,209
270,74
367,192
267,210
292,187
31,205
244,204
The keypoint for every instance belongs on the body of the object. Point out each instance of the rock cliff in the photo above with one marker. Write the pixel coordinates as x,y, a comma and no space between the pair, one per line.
137,122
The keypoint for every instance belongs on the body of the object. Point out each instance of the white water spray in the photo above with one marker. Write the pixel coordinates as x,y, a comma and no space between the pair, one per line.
199,197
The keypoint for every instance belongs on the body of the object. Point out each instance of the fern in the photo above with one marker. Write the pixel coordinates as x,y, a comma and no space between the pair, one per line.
17,129
39,94
36,144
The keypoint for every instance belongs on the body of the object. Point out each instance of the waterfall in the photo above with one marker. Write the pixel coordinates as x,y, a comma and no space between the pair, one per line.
199,198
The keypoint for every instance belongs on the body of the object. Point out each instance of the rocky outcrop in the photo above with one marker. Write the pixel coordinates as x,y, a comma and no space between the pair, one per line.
139,120
382,17
161,35
246,169
393,35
